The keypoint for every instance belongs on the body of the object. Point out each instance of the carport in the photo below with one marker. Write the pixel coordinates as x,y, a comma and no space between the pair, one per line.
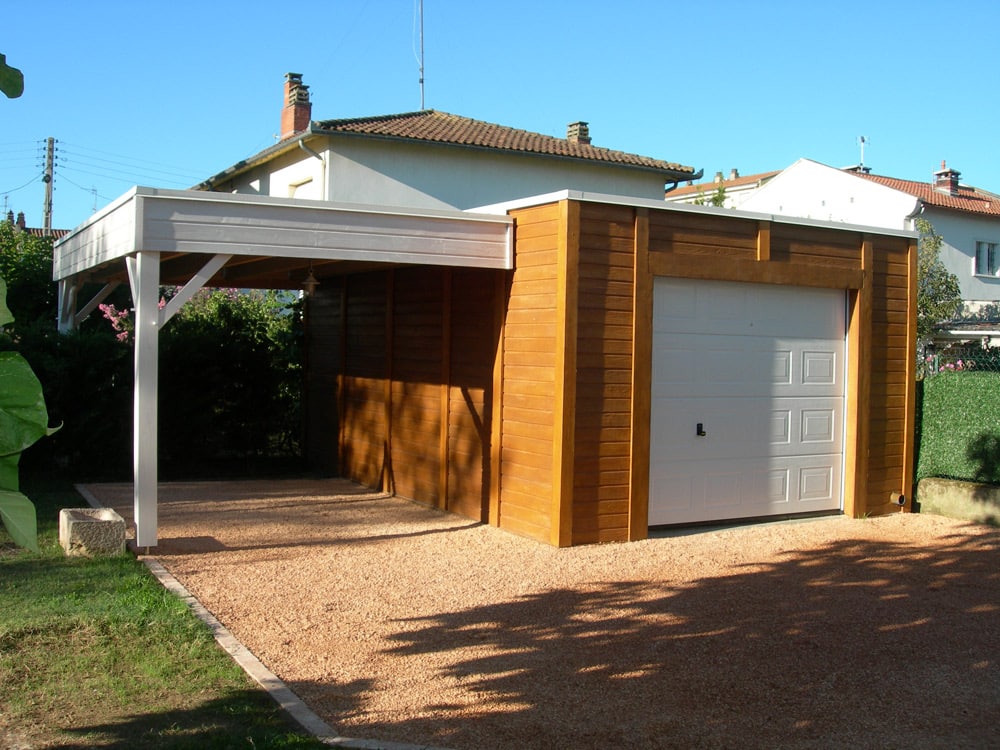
152,237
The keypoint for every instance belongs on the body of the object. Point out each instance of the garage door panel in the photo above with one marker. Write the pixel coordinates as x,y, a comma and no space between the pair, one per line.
761,369
752,488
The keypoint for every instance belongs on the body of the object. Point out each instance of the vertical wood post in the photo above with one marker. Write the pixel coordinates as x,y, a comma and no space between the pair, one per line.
445,387
144,272
642,377
909,428
564,410
496,405
388,480
859,357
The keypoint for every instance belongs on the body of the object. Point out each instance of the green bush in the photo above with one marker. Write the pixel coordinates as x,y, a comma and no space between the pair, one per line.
960,427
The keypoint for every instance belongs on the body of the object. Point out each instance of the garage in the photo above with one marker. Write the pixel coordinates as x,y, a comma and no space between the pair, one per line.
748,401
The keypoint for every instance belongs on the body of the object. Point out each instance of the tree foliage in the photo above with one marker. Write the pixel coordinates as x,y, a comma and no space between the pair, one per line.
939,297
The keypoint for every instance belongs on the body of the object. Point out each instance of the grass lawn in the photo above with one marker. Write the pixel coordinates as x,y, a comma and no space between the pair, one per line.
95,653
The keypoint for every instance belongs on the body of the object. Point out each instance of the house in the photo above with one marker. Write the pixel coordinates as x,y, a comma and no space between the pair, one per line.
967,218
571,366
21,225
432,159
732,190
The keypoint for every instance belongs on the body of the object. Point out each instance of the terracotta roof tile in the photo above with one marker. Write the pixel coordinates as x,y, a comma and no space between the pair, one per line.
711,186
442,127
970,199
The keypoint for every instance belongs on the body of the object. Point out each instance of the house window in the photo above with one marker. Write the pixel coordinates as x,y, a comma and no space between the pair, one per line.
987,259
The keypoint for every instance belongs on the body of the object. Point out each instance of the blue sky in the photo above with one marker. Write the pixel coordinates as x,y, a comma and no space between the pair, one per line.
166,94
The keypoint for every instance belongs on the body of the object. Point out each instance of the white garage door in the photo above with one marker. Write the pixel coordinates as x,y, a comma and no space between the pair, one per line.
747,401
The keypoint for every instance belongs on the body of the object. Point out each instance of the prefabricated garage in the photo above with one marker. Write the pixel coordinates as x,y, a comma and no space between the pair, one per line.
575,368
642,364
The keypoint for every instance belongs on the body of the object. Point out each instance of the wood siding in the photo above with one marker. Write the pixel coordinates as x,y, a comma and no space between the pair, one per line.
601,474
528,379
403,361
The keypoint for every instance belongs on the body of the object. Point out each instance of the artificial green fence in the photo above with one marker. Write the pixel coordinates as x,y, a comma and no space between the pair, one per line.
958,424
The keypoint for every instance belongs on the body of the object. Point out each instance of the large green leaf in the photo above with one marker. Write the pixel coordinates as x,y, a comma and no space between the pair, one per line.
8,472
5,314
11,79
18,515
23,417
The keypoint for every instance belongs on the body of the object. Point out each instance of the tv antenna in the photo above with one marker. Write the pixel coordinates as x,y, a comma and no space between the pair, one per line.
863,141
420,58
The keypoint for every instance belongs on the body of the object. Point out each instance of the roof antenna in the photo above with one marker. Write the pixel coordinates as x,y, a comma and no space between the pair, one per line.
420,58
862,140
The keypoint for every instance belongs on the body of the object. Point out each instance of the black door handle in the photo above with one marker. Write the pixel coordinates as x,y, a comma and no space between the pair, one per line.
701,430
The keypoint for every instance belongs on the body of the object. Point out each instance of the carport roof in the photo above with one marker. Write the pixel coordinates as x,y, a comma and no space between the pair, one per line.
273,242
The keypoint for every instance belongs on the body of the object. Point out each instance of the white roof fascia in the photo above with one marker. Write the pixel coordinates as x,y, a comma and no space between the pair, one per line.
188,221
622,200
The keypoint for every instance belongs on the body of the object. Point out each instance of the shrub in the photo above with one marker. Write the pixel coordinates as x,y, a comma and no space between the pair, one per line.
960,427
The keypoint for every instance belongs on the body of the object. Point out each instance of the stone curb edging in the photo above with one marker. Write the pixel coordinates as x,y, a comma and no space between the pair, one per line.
270,682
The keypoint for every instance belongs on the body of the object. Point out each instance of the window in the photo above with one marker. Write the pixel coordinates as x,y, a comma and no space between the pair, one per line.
987,259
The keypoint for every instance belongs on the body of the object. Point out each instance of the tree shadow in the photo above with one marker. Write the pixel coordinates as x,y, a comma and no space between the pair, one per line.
856,643
984,451
242,719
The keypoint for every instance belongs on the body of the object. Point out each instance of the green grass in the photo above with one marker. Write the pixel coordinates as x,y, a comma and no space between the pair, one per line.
95,653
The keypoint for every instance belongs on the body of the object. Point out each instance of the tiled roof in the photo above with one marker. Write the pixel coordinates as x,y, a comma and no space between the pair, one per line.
712,186
39,232
969,199
441,127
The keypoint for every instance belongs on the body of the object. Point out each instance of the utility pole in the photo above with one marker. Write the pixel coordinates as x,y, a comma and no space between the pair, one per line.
50,152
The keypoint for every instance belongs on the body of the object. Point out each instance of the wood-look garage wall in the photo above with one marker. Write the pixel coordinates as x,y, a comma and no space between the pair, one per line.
574,436
560,351
410,383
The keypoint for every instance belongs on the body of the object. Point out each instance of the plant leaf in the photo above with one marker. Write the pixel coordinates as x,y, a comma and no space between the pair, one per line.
11,79
5,314
8,472
23,417
18,515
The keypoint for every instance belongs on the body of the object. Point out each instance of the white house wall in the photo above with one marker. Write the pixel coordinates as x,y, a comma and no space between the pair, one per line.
815,191
396,173
960,232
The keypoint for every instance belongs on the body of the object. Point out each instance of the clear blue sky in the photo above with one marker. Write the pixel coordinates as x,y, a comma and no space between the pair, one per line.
167,93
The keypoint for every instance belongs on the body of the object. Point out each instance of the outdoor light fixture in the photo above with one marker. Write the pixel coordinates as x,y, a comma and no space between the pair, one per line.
310,282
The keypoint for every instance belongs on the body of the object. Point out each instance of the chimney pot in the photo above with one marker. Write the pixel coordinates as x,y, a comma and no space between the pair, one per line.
578,132
297,112
21,224
734,173
946,180
718,178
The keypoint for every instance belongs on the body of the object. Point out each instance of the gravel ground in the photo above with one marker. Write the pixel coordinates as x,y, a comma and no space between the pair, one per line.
398,622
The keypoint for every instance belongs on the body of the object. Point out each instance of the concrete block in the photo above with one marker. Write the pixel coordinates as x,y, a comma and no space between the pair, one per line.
91,531
970,501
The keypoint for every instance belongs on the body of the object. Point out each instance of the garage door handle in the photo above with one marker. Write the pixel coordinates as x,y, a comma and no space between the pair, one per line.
701,430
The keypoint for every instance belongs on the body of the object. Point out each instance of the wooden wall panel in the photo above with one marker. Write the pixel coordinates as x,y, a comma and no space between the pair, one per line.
892,375
528,377
473,345
702,234
364,436
417,352
601,476
324,348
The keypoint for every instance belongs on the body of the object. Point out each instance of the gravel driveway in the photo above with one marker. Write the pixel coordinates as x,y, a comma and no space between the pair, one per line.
398,622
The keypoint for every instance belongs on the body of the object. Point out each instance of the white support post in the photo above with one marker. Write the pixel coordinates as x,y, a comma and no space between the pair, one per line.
68,289
144,274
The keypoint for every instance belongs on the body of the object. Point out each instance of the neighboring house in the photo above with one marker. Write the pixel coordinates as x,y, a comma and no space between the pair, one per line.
573,366
22,226
735,189
431,159
967,219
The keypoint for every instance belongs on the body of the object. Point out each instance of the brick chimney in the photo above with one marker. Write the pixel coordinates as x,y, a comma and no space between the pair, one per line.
578,132
946,180
20,223
297,112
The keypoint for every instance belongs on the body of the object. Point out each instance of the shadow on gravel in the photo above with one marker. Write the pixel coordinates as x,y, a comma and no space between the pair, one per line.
855,644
